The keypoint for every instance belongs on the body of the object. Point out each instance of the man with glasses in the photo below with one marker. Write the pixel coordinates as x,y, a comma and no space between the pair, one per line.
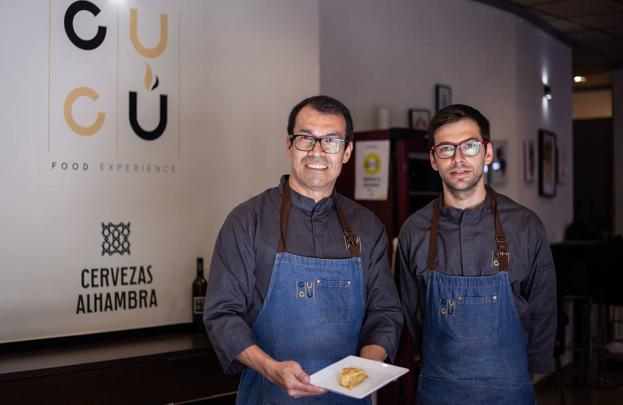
300,276
477,277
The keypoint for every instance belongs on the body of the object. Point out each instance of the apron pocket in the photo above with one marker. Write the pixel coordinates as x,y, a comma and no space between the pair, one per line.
333,300
476,317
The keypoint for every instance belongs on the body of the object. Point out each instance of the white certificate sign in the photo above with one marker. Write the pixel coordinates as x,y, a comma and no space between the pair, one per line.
371,170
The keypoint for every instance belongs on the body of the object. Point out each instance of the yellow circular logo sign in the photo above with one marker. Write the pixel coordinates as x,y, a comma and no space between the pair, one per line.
372,163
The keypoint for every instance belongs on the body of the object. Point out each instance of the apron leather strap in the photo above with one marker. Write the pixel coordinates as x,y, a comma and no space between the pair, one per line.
352,241
500,236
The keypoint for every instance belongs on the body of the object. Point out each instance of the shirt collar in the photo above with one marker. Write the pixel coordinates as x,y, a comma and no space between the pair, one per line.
458,215
306,204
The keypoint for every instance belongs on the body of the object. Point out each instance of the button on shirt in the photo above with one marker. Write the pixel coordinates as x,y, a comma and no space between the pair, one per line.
466,246
244,255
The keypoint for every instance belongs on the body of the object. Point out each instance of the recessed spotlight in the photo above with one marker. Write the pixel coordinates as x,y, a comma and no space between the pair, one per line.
579,79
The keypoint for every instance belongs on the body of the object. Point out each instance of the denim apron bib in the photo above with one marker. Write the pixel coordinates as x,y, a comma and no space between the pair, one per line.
473,348
312,313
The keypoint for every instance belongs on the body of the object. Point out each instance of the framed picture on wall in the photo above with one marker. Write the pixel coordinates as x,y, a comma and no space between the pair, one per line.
529,160
419,118
548,165
443,96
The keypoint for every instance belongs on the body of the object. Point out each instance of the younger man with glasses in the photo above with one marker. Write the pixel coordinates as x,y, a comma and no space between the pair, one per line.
477,277
299,276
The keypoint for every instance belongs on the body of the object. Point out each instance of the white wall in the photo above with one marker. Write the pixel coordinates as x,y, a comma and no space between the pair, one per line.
592,104
617,90
235,69
259,59
393,53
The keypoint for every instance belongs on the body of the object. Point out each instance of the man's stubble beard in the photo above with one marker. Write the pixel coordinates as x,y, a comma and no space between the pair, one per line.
463,193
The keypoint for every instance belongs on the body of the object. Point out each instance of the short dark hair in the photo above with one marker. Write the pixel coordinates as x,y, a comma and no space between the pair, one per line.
325,105
455,113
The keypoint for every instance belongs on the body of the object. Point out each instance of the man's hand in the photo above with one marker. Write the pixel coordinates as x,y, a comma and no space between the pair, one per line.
290,376
374,352
287,374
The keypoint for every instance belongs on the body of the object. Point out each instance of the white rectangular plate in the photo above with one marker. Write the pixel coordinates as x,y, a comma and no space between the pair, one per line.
379,374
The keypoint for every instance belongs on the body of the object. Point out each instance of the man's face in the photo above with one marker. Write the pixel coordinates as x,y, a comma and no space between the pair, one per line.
461,173
314,172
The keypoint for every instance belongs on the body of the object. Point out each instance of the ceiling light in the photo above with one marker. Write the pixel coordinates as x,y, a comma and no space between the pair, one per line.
579,79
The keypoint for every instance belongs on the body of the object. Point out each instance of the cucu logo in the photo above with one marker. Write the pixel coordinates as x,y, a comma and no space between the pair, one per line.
151,81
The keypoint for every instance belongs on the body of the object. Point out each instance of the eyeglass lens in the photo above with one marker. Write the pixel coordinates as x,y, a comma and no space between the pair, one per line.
468,148
328,145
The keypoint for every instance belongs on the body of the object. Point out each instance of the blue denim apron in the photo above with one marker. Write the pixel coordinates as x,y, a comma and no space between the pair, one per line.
312,313
473,348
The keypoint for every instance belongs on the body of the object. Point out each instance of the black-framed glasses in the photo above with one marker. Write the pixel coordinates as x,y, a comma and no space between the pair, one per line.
328,144
469,147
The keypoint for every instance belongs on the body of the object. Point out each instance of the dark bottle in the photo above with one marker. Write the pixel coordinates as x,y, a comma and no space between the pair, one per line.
199,292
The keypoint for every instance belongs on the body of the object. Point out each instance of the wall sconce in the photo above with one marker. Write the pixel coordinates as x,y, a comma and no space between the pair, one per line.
547,91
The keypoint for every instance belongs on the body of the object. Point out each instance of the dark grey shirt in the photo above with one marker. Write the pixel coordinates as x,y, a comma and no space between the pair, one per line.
466,242
244,255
